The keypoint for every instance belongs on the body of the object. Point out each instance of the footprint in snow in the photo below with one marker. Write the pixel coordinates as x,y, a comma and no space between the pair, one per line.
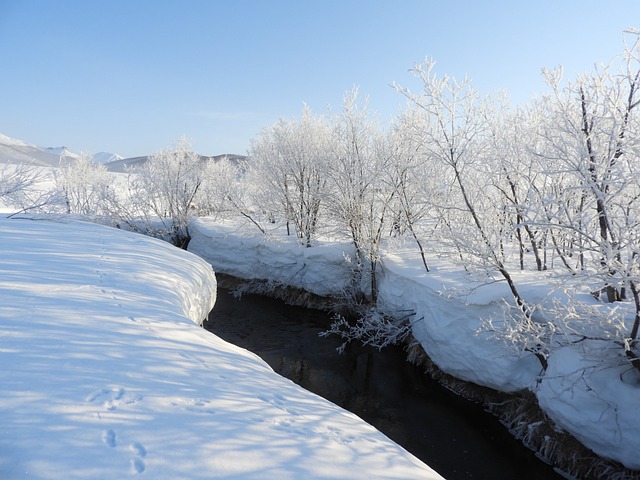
140,452
279,402
113,398
137,465
109,438
192,359
138,449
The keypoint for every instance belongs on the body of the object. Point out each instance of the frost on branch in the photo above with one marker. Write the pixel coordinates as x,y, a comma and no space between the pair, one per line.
84,186
19,188
374,328
559,322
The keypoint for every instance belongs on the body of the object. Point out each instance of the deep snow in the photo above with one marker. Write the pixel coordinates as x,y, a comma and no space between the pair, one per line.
588,389
106,374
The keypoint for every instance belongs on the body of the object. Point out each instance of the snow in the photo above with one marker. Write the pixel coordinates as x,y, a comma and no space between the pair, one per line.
106,373
448,323
247,254
15,151
588,389
444,325
106,157
592,392
6,140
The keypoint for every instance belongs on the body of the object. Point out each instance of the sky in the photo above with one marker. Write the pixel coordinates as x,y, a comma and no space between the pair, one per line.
132,76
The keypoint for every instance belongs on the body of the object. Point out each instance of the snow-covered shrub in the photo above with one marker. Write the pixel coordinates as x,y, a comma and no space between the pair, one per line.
162,193
84,186
20,188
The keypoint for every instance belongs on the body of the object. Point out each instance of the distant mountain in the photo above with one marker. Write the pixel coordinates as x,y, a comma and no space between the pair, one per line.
13,150
17,151
61,152
121,165
5,140
106,157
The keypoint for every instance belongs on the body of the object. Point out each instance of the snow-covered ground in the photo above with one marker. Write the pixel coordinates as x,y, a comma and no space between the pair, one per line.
588,389
105,373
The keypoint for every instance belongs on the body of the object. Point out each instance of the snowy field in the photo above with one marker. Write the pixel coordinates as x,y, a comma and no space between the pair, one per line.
106,373
589,388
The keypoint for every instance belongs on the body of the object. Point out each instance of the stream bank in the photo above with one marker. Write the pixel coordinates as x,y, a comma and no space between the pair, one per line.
452,435
517,416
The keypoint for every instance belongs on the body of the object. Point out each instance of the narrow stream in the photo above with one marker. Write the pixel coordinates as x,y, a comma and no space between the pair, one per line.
455,437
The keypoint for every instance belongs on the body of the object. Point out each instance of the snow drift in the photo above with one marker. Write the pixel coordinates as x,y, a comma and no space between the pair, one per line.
106,374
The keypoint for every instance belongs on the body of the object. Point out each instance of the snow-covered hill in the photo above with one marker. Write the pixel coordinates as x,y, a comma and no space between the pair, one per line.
17,151
61,152
121,165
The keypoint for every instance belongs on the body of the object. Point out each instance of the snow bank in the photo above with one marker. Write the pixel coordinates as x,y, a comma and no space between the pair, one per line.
105,373
321,270
594,397
448,322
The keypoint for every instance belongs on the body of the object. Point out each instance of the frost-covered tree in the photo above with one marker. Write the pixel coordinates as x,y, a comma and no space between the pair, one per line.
19,188
84,186
413,178
457,135
585,198
360,198
514,173
591,138
291,157
217,196
164,190
595,144
238,186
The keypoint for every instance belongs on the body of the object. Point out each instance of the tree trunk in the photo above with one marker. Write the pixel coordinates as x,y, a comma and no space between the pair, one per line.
633,336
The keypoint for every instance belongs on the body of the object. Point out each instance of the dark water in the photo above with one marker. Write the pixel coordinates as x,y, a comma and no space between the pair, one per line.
453,436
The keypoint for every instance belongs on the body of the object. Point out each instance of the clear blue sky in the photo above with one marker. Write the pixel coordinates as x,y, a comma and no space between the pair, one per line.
131,76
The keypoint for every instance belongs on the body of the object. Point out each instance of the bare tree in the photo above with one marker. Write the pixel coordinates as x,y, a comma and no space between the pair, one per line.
221,187
412,176
457,135
595,120
514,175
589,200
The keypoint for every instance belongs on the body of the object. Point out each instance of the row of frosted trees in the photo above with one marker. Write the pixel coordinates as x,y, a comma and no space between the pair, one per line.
551,186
